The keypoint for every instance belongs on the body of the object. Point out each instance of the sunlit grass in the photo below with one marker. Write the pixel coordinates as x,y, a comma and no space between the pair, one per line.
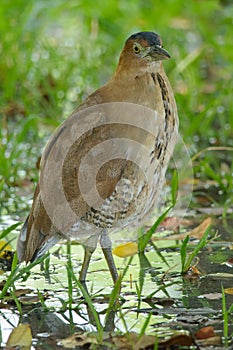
54,56
17,273
187,258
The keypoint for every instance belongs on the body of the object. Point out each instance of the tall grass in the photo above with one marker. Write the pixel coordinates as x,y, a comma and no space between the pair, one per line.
53,55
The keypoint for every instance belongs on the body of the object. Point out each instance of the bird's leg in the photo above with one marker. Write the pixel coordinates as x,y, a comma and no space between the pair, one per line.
106,246
89,248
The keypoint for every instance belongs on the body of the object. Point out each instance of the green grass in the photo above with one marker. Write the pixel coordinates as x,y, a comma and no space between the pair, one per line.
225,318
226,314
186,259
54,54
54,58
16,274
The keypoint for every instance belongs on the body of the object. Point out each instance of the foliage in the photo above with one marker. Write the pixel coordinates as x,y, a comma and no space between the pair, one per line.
186,259
53,54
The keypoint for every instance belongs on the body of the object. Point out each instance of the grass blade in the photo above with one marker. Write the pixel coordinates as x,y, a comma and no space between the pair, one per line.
188,260
183,253
92,309
225,317
9,229
145,238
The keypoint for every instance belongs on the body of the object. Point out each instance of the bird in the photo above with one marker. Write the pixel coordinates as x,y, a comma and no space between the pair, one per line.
104,167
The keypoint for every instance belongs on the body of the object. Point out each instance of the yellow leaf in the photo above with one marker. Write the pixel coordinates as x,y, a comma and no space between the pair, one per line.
228,290
126,249
21,336
3,247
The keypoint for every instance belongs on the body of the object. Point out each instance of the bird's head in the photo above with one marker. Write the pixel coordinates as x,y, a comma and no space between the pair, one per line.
141,49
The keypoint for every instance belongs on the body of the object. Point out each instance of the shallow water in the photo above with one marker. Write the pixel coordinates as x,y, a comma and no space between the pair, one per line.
177,304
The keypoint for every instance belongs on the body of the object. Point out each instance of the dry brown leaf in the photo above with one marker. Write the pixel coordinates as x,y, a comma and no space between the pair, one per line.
77,340
230,261
144,342
22,291
121,342
130,341
29,299
212,296
32,299
195,271
197,232
21,336
170,222
2,284
205,332
178,340
5,306
216,340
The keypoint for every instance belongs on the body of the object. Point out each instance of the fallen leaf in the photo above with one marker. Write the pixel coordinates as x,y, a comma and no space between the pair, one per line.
228,290
197,232
195,270
4,249
126,249
216,340
229,262
132,341
178,340
205,332
170,222
121,342
2,284
5,306
22,291
4,245
77,340
144,342
212,296
21,336
160,301
31,299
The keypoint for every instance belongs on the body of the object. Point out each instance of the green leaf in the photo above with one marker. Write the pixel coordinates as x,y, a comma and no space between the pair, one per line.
183,253
145,238
9,229
174,186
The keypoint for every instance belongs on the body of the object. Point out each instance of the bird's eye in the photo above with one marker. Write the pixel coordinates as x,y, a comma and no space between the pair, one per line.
136,48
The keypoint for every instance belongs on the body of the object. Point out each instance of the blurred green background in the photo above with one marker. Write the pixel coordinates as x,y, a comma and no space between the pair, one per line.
54,53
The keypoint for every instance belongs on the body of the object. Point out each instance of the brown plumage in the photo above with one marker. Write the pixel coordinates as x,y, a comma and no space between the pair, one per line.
116,118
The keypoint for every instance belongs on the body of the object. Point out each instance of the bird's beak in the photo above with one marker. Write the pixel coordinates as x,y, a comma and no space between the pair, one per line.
157,53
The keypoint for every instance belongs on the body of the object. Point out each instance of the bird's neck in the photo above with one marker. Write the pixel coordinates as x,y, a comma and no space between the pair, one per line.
123,76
